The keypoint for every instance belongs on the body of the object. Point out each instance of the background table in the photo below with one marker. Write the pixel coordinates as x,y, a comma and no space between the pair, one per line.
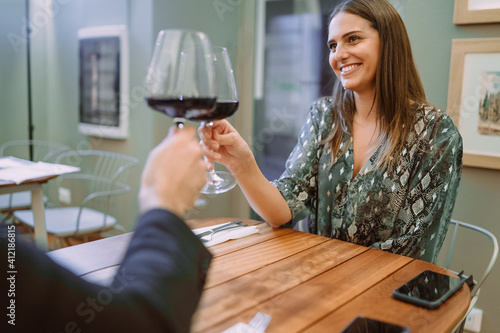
37,205
304,281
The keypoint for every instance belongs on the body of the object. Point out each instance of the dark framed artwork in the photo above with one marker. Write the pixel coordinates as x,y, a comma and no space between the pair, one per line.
103,81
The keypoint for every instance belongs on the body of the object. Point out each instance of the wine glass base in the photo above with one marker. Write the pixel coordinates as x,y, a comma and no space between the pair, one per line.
223,182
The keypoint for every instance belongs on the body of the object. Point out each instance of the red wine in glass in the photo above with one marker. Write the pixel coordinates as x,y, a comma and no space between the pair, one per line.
223,109
181,76
187,108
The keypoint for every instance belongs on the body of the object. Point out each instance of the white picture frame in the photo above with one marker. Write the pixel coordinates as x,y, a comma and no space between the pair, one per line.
476,11
474,69
104,81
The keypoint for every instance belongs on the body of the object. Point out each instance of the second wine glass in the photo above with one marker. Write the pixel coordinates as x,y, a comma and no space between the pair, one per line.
226,105
181,77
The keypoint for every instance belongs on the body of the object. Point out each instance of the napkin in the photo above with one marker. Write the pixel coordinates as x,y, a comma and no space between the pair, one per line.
258,324
22,172
225,235
238,328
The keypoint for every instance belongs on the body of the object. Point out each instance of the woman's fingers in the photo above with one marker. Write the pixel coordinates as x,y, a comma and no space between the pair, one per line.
206,136
221,143
228,139
209,153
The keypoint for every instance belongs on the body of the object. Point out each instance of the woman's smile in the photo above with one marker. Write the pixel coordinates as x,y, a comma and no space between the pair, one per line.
348,69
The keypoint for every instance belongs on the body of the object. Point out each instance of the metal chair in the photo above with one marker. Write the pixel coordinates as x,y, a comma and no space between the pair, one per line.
101,178
44,151
468,239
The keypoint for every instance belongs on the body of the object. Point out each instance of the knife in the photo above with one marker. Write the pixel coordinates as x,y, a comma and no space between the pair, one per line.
225,225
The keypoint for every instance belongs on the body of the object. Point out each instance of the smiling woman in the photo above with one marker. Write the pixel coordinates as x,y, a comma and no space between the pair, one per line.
375,164
354,57
395,78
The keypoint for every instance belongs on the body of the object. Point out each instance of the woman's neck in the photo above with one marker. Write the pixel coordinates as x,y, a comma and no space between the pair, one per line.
366,107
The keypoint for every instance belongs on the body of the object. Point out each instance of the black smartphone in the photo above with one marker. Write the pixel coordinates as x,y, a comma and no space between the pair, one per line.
362,324
428,289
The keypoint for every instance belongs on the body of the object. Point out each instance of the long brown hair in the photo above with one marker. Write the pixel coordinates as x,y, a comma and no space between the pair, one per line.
397,83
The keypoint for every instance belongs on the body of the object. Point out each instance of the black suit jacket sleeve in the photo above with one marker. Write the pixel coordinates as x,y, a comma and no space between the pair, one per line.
156,289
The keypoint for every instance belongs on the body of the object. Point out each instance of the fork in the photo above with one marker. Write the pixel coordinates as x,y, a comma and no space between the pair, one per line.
208,232
208,237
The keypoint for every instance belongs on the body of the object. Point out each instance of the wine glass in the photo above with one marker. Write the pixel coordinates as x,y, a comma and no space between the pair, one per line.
181,76
226,105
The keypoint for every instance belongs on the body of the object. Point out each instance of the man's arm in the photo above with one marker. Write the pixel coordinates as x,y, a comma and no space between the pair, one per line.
156,289
160,281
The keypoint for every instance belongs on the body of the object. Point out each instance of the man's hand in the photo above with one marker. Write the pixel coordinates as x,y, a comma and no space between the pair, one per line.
174,173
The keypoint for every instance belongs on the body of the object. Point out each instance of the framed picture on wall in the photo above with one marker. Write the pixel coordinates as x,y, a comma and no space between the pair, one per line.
476,11
103,81
474,99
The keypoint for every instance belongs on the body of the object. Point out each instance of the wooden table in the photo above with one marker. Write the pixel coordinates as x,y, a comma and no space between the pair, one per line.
35,186
307,283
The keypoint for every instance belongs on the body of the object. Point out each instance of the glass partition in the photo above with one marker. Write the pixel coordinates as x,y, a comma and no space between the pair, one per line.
292,71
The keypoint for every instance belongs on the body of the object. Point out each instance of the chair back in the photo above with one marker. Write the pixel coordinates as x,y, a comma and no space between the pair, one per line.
102,176
98,163
460,251
45,151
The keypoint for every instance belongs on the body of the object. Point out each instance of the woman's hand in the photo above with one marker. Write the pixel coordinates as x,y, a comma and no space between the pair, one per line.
231,150
223,144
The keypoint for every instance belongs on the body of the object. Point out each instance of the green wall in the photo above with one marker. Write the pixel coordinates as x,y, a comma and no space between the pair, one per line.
54,60
431,29
13,90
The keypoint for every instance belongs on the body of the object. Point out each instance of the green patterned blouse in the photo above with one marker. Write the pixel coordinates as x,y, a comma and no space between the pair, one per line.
405,211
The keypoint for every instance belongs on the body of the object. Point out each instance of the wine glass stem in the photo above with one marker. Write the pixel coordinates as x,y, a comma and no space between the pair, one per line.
212,176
